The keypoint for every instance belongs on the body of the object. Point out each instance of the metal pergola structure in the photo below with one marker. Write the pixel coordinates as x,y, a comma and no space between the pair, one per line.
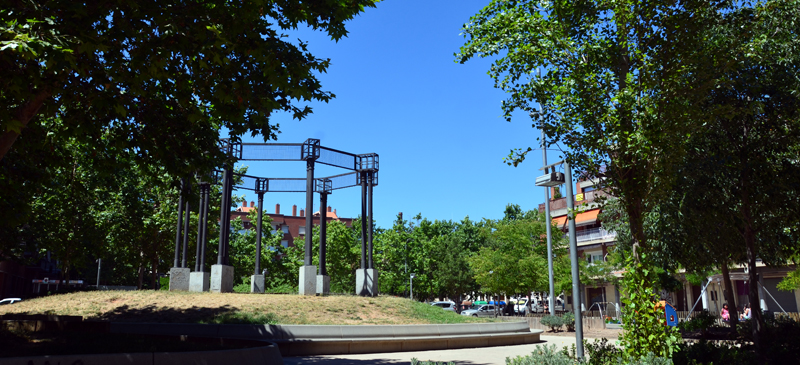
363,172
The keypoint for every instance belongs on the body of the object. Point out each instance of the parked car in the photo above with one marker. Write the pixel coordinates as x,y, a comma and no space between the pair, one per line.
485,310
448,306
10,301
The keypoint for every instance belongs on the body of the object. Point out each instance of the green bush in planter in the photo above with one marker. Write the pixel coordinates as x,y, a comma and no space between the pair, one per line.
568,320
554,322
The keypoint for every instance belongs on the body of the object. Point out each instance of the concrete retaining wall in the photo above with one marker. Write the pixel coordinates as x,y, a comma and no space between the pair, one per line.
318,340
292,332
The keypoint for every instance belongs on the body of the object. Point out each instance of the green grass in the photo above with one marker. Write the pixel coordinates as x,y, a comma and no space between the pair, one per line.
242,318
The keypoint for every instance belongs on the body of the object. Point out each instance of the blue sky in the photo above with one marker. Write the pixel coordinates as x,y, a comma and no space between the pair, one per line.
436,125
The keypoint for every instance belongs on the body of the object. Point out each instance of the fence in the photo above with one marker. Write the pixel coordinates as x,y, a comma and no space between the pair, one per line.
589,323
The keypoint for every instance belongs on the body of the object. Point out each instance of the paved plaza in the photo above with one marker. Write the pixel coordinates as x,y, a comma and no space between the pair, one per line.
469,356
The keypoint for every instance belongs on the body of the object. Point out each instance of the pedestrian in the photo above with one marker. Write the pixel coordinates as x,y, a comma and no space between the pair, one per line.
745,312
726,316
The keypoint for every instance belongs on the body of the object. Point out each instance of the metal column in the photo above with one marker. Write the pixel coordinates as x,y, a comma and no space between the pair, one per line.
180,225
363,220
205,189
573,256
200,210
258,227
188,213
370,219
552,299
323,230
309,209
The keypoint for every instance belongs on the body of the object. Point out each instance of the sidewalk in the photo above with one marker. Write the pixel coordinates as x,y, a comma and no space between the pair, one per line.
470,356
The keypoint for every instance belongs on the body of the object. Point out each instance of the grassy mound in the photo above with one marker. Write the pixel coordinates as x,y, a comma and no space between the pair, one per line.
185,307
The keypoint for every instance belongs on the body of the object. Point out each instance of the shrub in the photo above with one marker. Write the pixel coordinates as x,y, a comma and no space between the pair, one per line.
543,355
242,288
554,322
701,322
243,318
414,361
163,283
705,352
601,352
568,320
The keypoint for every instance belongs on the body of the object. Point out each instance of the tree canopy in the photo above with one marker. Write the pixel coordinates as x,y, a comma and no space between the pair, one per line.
161,77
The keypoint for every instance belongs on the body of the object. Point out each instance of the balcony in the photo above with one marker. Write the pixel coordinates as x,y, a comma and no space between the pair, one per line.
561,203
594,234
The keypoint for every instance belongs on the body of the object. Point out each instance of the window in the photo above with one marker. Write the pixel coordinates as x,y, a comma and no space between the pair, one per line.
285,243
285,229
594,257
302,230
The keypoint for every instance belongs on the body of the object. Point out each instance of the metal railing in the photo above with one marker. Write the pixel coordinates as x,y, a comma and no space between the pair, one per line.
592,234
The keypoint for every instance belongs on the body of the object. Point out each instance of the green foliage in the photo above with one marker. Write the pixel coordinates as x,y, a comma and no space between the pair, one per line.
543,355
554,322
601,352
241,288
701,321
176,70
713,352
568,320
645,329
514,258
163,283
343,256
414,361
243,318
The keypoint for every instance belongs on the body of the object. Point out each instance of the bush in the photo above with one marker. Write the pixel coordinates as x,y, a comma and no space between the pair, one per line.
705,352
568,320
543,355
701,322
414,361
163,283
601,352
242,288
554,322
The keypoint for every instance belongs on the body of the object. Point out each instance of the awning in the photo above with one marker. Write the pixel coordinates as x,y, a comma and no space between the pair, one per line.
584,218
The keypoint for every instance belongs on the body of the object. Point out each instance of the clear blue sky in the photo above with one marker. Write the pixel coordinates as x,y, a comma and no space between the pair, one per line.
436,125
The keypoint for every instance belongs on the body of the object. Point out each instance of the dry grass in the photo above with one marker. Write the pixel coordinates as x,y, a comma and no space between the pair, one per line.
185,307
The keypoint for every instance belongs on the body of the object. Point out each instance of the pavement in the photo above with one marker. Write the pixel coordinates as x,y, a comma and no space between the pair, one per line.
468,356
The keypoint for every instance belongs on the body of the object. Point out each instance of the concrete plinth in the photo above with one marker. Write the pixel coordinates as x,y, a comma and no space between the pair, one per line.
179,278
221,279
323,284
308,280
199,281
256,283
367,282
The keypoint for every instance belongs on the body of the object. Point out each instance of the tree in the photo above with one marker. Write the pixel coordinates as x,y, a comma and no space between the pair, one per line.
161,77
624,88
514,257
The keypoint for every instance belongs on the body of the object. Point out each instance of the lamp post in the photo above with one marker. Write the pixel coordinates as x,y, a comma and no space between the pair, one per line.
412,286
99,261
548,180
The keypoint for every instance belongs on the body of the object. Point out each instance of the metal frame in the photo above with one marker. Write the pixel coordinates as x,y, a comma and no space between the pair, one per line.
364,173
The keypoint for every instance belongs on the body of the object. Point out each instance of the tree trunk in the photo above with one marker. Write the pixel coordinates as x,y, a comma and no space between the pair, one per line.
729,296
756,317
25,113
140,280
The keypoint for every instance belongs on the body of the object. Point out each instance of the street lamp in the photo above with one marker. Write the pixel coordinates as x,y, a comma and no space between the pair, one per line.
412,286
551,178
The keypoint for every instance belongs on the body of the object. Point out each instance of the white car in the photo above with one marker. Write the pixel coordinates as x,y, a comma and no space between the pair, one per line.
448,306
10,301
485,310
